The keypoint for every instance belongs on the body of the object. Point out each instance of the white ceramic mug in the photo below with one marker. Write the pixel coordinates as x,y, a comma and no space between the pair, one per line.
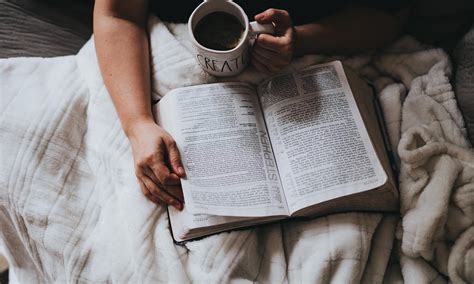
225,62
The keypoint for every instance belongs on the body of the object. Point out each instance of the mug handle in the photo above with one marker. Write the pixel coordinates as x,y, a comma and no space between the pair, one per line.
256,29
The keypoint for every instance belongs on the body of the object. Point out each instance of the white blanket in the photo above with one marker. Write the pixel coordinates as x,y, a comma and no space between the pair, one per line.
71,209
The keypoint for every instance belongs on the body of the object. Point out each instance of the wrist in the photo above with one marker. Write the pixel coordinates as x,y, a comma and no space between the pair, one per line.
298,48
132,128
310,39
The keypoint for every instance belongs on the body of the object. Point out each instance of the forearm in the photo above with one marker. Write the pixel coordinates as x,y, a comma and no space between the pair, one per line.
346,31
123,53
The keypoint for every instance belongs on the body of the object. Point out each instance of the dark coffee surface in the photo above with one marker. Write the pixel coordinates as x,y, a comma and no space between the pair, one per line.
219,31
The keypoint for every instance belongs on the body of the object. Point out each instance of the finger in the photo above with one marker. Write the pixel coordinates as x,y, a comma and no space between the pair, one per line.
269,56
267,63
175,158
279,17
173,179
269,47
145,172
161,193
148,194
259,66
173,182
176,191
159,169
273,43
149,173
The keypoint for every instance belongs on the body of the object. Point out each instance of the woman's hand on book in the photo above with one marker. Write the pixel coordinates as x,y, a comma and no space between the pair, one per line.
158,165
271,53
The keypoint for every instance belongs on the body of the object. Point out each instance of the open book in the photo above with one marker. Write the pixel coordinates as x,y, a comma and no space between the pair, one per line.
300,144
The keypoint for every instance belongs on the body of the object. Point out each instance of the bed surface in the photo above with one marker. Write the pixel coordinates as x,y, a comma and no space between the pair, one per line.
44,28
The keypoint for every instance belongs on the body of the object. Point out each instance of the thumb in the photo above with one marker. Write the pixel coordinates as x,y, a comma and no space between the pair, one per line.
175,159
279,17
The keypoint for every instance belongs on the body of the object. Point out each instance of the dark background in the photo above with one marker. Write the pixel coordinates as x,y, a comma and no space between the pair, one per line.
60,27
4,277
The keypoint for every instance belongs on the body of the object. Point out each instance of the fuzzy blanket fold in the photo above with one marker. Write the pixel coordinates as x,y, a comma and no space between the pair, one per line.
71,209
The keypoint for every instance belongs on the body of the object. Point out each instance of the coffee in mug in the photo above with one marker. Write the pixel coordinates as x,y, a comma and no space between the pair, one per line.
221,35
219,31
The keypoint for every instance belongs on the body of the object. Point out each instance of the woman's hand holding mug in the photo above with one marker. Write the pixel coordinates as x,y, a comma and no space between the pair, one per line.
271,53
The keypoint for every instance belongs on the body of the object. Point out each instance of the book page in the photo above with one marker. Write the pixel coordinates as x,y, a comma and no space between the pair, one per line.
225,148
321,146
182,222
187,226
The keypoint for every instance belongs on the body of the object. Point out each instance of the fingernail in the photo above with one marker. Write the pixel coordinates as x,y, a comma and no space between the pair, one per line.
180,171
177,205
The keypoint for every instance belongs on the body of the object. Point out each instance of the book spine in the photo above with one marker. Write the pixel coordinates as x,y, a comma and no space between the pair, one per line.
383,130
